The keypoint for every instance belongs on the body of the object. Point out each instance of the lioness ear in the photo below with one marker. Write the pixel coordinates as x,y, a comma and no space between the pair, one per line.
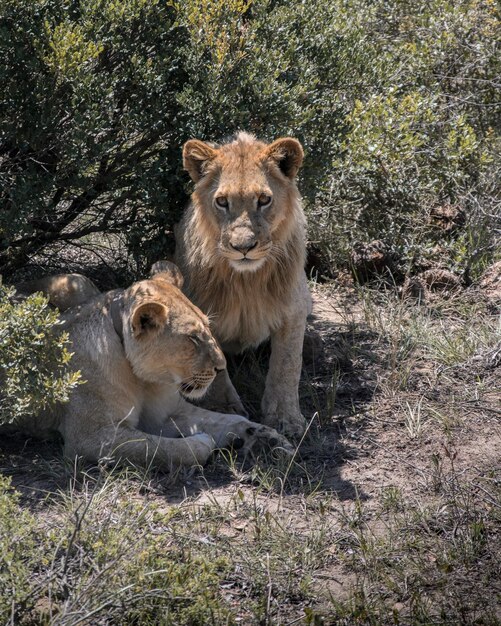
288,154
196,155
147,318
165,270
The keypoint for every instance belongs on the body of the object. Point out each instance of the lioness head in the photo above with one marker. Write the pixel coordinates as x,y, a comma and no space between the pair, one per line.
167,338
246,190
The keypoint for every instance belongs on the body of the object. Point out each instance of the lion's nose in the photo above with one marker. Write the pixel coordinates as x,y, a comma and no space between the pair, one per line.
244,247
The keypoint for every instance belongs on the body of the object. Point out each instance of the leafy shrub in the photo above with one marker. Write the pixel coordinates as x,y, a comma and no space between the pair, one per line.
99,96
419,134
18,551
88,105
395,103
33,358
101,563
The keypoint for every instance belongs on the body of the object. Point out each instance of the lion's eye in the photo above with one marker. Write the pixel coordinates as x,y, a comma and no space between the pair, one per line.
195,339
264,200
222,202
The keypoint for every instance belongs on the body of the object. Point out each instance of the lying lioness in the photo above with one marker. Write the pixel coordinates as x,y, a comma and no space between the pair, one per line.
141,351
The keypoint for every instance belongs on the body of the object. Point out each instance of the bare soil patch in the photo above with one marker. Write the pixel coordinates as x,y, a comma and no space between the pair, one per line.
390,511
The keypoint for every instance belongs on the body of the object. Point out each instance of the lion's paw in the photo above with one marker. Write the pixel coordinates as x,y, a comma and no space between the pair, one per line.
291,424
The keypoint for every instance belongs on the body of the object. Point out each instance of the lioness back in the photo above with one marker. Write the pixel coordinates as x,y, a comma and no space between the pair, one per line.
63,290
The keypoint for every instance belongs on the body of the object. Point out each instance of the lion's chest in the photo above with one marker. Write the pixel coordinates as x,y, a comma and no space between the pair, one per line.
239,323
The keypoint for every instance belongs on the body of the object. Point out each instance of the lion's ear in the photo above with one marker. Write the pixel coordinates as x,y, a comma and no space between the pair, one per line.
196,156
165,270
288,154
148,318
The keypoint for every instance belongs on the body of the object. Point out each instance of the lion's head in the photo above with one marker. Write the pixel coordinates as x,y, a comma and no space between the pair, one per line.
247,196
167,338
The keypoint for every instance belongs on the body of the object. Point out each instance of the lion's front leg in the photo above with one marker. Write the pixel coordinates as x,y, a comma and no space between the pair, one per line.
280,403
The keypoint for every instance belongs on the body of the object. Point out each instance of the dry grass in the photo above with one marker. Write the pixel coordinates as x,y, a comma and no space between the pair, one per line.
388,514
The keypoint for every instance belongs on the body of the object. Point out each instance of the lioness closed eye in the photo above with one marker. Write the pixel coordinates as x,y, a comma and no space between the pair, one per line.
142,351
241,249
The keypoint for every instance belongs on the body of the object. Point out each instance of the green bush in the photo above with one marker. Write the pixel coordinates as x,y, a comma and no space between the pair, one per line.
395,103
419,133
102,564
34,358
99,96
87,116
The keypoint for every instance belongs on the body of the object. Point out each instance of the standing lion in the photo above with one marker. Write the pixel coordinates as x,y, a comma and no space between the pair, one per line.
241,248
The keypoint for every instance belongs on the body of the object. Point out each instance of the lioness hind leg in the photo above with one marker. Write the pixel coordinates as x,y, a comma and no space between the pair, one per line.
63,290
141,448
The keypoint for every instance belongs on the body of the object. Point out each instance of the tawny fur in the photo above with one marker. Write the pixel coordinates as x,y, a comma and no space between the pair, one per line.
63,290
139,351
269,296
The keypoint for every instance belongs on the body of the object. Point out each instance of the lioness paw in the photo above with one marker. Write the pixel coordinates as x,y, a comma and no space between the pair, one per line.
201,446
254,437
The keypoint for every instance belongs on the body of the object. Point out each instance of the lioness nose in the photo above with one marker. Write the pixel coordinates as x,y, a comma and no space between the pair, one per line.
219,361
244,247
